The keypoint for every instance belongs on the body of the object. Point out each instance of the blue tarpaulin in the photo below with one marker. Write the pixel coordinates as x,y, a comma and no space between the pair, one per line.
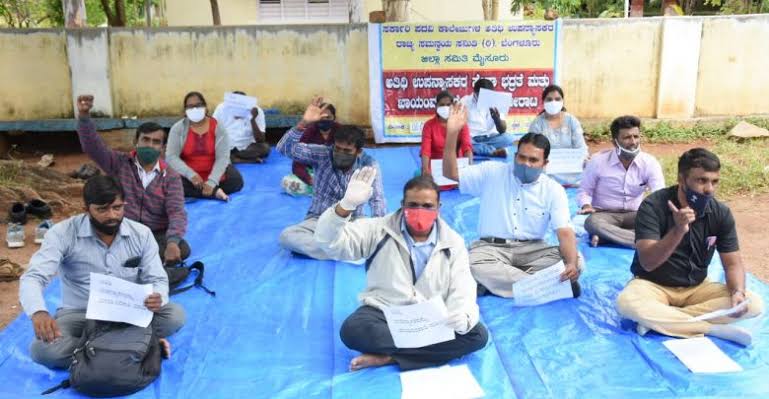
272,329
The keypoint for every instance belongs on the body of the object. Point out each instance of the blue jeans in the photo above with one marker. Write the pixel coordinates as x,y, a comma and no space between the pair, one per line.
485,145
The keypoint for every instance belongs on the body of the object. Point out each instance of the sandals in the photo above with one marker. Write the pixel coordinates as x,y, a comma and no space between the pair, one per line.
9,271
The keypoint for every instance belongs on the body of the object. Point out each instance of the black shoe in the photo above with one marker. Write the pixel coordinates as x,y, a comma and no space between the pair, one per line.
576,289
18,213
39,208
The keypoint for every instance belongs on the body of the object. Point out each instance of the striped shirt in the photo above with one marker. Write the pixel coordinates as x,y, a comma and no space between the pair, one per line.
160,206
330,183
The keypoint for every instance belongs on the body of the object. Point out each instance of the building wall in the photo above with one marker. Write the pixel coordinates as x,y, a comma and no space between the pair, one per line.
245,12
198,12
609,67
35,77
734,66
282,67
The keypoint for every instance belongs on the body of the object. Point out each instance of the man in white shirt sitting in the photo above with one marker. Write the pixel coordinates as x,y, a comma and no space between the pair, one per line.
412,256
247,135
518,203
487,127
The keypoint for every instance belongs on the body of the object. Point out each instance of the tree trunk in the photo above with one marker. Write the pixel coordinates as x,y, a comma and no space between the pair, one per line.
636,8
396,10
120,12
74,13
148,12
215,12
115,17
486,4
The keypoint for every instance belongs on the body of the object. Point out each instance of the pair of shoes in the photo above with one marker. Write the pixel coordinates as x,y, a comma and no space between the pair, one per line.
19,211
15,235
41,229
9,271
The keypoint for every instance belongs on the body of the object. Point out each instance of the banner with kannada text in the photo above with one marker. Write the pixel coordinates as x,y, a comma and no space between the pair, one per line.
410,63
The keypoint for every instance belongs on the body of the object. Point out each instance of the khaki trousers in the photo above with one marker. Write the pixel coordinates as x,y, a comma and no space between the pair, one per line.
668,310
498,266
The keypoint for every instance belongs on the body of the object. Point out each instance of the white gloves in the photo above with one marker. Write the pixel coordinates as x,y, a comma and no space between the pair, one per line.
459,322
359,189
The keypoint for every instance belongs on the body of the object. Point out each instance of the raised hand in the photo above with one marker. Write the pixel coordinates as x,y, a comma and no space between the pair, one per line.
359,189
683,217
457,118
314,110
84,104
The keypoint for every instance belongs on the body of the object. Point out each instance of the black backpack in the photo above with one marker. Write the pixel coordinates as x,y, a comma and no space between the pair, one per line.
113,359
179,272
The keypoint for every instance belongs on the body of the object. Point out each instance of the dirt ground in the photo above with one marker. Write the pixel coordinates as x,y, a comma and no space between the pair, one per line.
752,215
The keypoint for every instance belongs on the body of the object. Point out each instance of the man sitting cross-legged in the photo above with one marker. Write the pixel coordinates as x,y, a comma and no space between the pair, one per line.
334,166
678,230
412,256
101,241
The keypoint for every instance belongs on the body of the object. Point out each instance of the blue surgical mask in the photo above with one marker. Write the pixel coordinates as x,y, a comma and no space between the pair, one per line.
697,201
526,174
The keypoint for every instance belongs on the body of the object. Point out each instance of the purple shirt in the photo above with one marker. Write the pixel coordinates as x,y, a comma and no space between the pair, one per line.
607,185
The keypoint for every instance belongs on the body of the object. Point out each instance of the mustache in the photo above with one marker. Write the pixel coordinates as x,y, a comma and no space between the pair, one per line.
111,222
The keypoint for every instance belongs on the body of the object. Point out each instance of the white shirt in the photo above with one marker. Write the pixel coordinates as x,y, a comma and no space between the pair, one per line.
238,129
147,177
510,209
479,120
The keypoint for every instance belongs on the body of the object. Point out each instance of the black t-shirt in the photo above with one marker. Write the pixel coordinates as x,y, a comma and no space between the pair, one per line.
688,265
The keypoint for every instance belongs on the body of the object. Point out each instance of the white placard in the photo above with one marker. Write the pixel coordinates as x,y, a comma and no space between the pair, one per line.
419,325
701,355
501,100
114,299
445,382
722,312
239,105
542,287
436,168
565,160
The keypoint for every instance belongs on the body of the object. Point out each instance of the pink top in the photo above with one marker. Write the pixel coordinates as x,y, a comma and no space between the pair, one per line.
607,185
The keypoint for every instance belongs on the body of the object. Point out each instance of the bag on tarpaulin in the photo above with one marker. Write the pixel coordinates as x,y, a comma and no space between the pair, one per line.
179,272
113,359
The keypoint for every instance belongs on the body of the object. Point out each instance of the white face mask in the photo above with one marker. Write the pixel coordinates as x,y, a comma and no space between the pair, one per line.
443,111
195,114
553,107
630,154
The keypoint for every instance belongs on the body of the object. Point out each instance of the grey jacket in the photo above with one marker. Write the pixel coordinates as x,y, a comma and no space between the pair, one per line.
389,278
176,139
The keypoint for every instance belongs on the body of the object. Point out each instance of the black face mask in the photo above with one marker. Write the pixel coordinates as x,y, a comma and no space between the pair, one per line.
106,229
343,160
325,124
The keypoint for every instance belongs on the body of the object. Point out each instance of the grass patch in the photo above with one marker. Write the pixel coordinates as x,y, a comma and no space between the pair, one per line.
9,173
674,132
744,167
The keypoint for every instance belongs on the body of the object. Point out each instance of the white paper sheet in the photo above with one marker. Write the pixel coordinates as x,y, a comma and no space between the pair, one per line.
239,105
419,325
722,312
436,167
500,100
114,299
565,160
445,382
542,287
701,355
